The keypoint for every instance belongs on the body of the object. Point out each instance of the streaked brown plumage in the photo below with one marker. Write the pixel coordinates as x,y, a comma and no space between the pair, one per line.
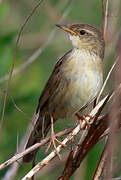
74,83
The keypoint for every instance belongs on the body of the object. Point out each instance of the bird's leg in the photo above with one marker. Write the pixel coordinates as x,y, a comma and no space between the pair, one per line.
53,139
83,118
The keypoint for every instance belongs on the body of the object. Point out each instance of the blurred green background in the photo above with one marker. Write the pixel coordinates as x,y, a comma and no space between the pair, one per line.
26,85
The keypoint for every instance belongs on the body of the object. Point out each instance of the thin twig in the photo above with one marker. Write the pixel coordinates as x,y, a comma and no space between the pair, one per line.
113,123
100,165
32,148
13,169
19,109
37,53
104,17
45,161
92,137
18,156
13,64
52,165
92,114
11,172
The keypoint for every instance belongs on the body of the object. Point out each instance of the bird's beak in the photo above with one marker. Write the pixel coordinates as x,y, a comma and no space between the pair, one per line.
66,28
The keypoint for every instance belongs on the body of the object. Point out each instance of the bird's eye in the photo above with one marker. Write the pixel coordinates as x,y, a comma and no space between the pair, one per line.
82,32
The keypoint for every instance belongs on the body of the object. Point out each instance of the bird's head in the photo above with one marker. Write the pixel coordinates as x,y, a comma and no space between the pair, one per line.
85,36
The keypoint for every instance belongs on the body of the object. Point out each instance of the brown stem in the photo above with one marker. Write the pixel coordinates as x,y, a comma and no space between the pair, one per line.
32,148
13,64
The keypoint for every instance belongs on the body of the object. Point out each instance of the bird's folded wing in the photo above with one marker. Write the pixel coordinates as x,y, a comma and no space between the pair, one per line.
53,82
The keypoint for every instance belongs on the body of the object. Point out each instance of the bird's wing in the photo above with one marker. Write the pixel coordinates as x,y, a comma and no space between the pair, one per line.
52,83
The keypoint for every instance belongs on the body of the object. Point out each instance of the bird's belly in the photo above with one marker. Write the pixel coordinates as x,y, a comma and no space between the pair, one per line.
78,91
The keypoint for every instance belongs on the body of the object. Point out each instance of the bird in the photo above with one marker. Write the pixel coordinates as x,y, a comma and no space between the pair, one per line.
75,82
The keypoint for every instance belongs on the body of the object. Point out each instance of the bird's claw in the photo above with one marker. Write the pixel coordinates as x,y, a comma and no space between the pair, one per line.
84,119
52,142
53,139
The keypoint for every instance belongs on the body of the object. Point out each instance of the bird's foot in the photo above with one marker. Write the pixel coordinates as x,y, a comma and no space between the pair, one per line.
84,119
53,139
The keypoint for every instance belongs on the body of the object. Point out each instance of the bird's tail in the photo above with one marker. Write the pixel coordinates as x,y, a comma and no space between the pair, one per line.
41,128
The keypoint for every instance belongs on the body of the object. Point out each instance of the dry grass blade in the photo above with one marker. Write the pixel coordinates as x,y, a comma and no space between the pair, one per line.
104,28
106,80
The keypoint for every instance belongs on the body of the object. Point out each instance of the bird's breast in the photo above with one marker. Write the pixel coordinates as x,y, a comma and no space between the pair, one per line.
80,83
